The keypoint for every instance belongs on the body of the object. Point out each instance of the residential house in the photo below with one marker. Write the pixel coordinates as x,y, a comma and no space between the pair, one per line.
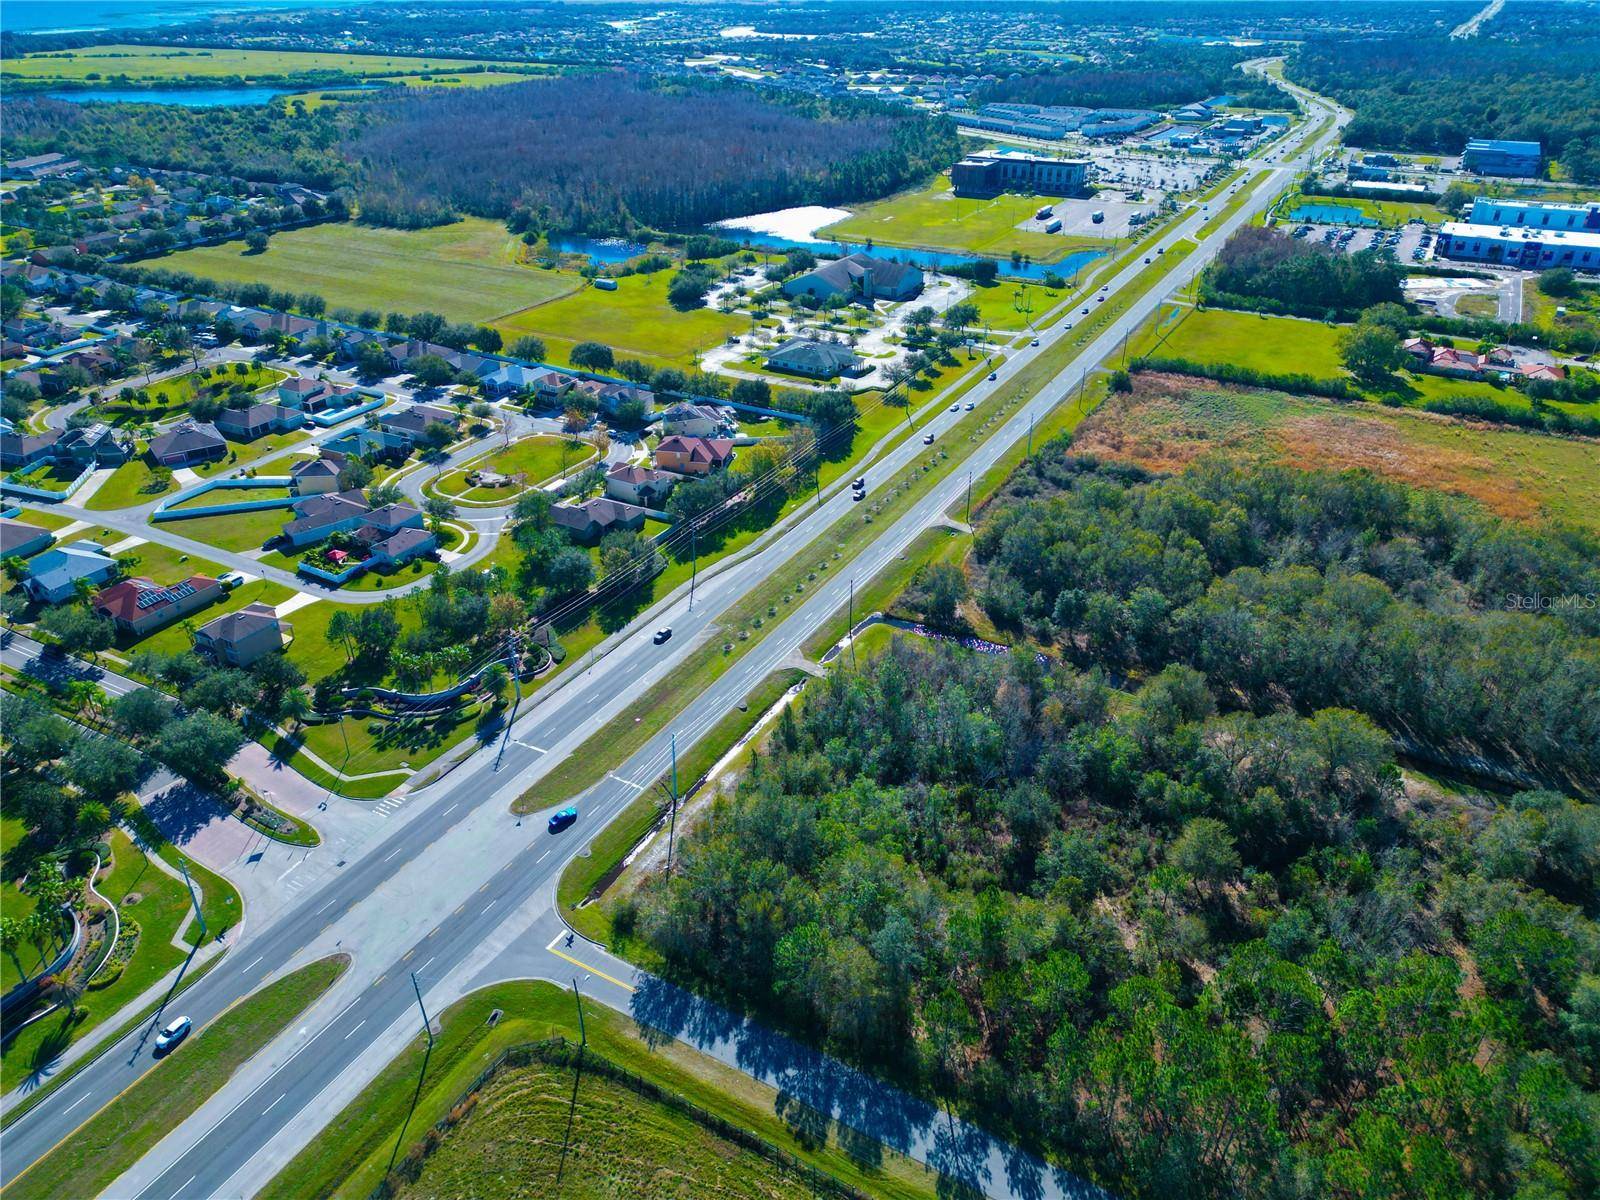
40,166
814,359
187,442
860,277
320,516
611,395
638,485
550,386
238,639
413,421
1543,373
18,539
139,606
258,420
373,442
692,420
590,521
509,379
18,450
299,391
317,476
92,445
53,575
694,455
388,549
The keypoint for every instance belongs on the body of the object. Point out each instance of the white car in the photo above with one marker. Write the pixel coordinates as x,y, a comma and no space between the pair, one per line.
173,1034
956,407
1035,341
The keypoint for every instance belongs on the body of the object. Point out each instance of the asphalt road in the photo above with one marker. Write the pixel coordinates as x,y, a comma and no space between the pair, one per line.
562,718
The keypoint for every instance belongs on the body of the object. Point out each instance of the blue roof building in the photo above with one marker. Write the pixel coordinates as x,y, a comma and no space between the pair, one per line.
1493,156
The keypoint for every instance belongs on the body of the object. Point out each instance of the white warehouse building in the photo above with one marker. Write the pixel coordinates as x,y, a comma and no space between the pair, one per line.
1534,214
1532,249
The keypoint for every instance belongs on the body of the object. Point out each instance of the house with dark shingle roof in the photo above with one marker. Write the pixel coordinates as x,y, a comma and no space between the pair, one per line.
590,521
317,517
18,539
187,442
240,638
858,277
814,359
258,420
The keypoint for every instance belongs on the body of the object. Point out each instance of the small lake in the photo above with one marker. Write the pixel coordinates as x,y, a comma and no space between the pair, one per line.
183,97
614,250
1330,214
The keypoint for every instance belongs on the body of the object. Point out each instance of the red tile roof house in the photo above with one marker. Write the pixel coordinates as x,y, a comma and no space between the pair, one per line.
590,521
138,606
1536,372
693,455
1456,362
240,638
638,485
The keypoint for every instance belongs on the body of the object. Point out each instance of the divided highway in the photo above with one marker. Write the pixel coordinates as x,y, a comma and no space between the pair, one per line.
369,904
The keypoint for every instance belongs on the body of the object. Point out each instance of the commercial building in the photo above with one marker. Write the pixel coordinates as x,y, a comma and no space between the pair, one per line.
1529,249
989,174
858,277
1534,214
1492,156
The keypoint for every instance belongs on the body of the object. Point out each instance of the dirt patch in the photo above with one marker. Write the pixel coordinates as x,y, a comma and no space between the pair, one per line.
1380,446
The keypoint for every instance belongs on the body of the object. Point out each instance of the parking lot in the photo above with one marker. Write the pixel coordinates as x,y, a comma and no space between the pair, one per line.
1410,243
1077,216
1158,172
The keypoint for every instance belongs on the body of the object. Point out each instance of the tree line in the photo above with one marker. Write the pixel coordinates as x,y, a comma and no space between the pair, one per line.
1154,75
1267,270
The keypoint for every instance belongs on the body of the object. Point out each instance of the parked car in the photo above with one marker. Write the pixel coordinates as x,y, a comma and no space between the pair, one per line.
174,1033
561,818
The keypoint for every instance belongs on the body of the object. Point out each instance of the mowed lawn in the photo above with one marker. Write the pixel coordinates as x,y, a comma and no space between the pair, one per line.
153,64
932,217
466,270
536,458
635,320
548,1131
1169,421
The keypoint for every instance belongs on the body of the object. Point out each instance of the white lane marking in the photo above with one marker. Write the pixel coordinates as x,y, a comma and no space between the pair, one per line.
181,1186
274,1104
392,853
74,1104
327,906
289,868
424,966
358,1025
451,809
490,905
542,857
254,961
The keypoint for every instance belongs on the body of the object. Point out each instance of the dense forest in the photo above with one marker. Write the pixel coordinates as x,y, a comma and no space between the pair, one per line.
594,154
1263,268
1157,75
1203,938
1433,94
606,154
252,142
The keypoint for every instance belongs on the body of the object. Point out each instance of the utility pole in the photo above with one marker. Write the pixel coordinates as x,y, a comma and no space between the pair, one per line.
1030,435
193,899
427,1026
969,498
672,812
583,1034
850,632
694,558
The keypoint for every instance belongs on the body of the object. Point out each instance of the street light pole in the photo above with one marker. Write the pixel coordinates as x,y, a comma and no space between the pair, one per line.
969,498
427,1026
694,556
850,632
577,998
672,817
193,899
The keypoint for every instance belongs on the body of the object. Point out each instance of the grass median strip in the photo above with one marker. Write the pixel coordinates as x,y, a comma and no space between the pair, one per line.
604,856
116,1137
350,1157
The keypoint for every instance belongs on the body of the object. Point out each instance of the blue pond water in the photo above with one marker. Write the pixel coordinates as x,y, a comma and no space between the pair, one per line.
614,250
183,97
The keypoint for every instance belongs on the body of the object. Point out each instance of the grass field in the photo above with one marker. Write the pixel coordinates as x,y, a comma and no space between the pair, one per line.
466,271
1582,310
349,1158
233,531
16,904
134,482
165,64
122,1132
1388,213
316,98
931,217
1169,421
1288,346
635,320
546,1130
537,458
